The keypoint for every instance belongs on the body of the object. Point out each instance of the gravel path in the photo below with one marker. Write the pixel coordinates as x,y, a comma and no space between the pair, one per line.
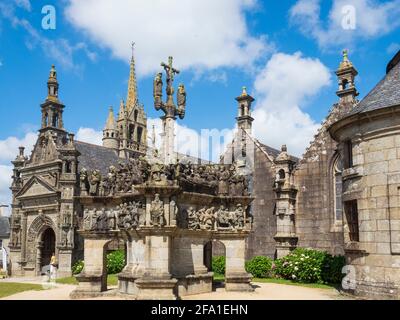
264,291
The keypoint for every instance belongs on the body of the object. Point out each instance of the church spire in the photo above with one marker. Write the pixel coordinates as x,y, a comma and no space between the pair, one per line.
346,74
132,99
110,124
52,85
121,114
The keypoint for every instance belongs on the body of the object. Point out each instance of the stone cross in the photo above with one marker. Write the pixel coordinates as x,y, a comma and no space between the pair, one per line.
170,71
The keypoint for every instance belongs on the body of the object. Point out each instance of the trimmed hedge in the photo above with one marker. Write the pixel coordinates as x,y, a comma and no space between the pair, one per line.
259,267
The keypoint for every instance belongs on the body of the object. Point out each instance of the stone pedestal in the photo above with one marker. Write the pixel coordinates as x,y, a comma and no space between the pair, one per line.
285,244
237,279
240,281
93,279
195,284
64,264
156,289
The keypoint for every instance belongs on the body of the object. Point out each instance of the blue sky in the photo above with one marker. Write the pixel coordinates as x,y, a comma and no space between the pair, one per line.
285,52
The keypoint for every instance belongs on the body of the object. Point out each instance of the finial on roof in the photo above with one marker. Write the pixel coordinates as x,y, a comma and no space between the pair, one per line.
244,91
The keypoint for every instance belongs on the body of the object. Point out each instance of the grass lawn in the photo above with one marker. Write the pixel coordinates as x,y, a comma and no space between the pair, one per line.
112,280
221,278
9,288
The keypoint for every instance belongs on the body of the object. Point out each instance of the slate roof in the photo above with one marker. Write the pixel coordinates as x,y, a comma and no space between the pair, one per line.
386,93
96,157
4,227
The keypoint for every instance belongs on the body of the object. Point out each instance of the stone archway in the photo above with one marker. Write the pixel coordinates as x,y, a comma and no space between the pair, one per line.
48,246
40,233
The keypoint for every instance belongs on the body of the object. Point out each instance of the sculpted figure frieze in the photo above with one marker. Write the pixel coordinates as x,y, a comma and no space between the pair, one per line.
157,212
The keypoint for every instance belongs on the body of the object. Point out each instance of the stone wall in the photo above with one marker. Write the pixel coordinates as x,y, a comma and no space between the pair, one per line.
316,225
374,181
261,241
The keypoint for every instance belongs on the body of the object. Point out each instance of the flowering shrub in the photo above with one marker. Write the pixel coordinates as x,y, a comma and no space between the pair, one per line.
218,265
310,266
115,262
259,267
77,267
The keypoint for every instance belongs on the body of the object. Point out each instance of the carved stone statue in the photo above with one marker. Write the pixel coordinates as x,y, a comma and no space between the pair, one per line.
94,182
157,88
83,177
193,219
181,98
239,217
207,218
223,185
157,212
222,217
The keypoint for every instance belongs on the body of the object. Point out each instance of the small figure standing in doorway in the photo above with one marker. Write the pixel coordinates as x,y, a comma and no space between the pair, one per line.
53,267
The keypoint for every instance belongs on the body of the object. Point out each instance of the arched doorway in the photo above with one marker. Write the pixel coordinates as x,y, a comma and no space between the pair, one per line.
49,246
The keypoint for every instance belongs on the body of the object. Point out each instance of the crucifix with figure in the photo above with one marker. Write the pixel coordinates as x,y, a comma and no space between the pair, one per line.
171,111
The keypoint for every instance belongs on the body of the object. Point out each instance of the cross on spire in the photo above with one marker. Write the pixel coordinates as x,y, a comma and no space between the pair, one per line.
133,48
132,99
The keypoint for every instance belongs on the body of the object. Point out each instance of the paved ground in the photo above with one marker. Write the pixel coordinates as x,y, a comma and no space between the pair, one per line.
264,291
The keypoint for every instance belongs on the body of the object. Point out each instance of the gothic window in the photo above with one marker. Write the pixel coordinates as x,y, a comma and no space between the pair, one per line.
337,188
136,115
351,212
68,167
281,174
55,120
139,134
348,154
107,135
131,131
242,110
345,84
46,119
112,135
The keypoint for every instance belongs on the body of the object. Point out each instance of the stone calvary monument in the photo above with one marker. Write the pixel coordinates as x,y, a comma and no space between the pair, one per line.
169,212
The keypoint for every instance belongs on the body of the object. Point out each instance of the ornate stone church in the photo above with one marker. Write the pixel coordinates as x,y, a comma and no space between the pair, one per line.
341,196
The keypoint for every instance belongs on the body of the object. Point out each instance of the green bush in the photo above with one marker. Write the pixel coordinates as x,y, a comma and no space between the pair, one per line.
218,265
259,267
310,266
115,262
77,267
333,271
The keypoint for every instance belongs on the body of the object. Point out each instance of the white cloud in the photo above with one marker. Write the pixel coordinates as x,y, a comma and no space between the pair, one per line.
371,19
203,34
90,135
8,152
60,50
25,4
9,146
282,89
5,184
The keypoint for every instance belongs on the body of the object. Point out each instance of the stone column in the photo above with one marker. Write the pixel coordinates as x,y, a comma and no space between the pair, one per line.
157,282
237,279
167,214
93,278
24,222
168,140
134,268
39,246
